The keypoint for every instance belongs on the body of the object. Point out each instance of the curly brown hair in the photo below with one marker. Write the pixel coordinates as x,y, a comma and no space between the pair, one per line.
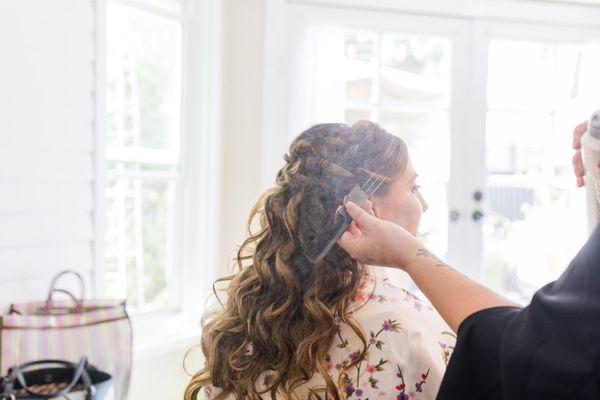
281,309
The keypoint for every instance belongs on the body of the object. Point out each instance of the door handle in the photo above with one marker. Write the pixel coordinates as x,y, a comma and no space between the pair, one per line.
454,215
477,215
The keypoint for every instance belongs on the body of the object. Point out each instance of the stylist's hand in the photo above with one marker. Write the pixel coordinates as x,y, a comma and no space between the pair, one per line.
373,241
578,167
577,159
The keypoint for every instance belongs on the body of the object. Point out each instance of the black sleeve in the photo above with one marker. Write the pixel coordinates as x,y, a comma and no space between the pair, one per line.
547,350
551,349
474,368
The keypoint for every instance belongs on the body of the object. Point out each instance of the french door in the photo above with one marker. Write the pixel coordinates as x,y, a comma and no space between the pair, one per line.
486,111
537,83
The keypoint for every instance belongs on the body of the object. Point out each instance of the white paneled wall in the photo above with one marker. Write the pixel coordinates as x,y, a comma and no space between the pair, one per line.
46,144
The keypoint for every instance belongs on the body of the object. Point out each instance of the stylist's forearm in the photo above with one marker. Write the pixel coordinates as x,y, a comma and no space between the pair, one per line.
454,295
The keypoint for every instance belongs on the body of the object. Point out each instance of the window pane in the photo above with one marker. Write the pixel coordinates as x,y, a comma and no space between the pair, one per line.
359,64
529,174
521,75
521,252
518,143
143,79
140,228
546,76
415,69
579,84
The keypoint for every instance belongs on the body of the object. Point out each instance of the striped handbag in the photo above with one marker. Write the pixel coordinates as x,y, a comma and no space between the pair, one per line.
99,330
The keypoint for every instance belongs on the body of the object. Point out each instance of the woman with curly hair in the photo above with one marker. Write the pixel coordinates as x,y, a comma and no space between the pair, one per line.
335,329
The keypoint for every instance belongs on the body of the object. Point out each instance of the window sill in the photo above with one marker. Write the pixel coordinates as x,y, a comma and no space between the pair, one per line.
158,335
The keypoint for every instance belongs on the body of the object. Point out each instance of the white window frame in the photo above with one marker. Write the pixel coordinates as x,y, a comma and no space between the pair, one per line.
469,22
172,156
162,332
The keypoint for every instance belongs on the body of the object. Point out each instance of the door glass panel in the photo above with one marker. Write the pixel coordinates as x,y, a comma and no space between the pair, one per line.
415,69
359,64
144,80
402,82
519,74
535,219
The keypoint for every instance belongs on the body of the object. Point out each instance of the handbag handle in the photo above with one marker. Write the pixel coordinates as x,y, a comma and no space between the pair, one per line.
80,373
78,303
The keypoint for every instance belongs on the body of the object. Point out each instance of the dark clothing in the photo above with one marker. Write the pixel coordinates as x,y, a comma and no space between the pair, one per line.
547,350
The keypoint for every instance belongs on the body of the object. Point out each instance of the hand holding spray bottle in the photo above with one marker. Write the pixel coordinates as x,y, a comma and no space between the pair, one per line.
591,159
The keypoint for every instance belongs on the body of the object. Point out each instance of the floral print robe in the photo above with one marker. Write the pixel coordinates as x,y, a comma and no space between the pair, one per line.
409,346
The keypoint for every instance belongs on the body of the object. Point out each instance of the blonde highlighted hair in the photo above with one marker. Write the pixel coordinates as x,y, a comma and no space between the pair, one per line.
280,313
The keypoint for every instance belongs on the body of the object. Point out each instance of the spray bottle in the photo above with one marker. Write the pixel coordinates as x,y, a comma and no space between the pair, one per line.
591,157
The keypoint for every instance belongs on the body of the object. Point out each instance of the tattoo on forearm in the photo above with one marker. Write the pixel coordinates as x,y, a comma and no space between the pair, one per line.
423,252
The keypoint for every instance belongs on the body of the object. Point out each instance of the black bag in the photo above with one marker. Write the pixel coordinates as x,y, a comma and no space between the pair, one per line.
55,379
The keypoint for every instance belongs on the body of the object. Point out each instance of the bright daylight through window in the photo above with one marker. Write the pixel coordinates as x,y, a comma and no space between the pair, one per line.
144,62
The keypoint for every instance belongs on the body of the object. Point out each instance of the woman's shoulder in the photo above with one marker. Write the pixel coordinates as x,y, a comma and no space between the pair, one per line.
381,304
407,344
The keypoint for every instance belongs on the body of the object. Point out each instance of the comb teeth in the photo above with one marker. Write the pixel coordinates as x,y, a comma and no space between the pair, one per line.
372,184
357,195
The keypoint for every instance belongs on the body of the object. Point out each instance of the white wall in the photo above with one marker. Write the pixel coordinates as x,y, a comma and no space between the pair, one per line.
162,377
242,124
46,143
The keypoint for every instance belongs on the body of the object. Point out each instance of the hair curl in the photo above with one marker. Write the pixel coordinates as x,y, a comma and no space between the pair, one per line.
280,310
